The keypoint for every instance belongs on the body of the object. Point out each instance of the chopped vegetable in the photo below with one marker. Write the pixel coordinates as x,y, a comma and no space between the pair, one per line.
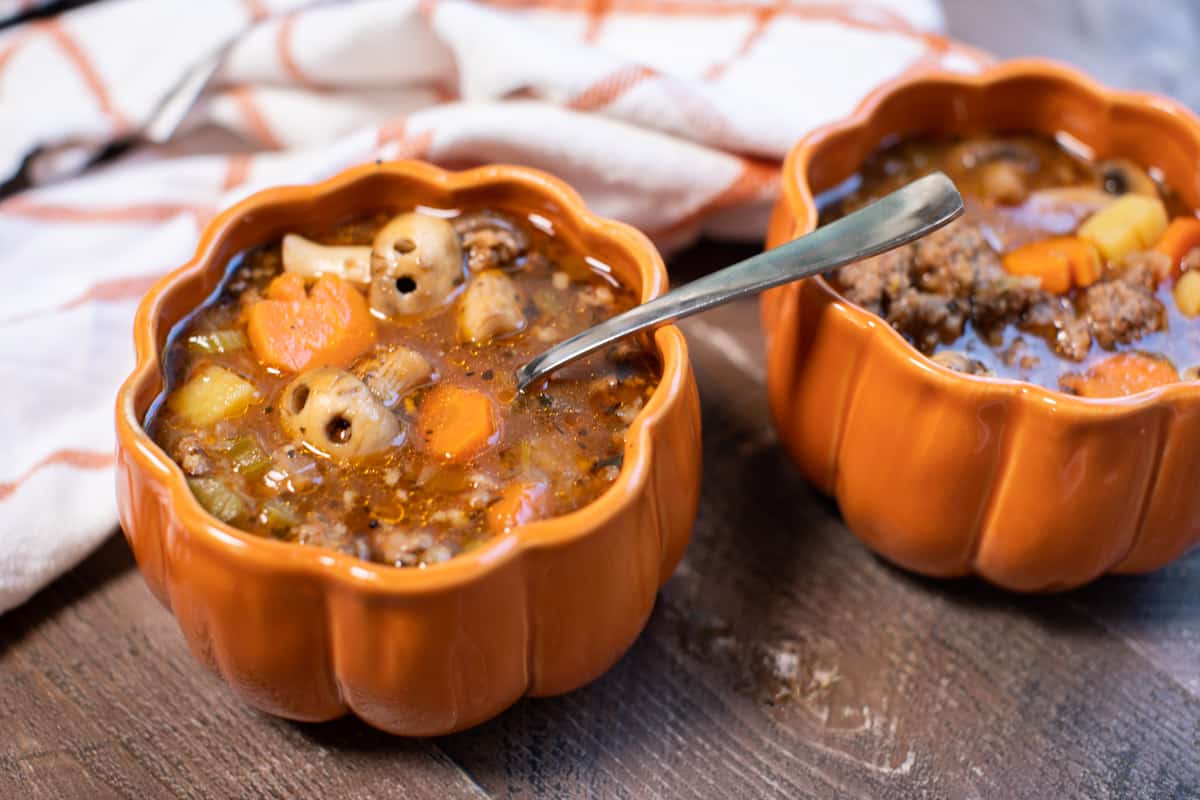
277,515
416,263
247,457
392,372
490,307
1003,181
217,499
212,393
1121,176
457,423
293,330
1187,293
1132,222
520,503
548,301
335,413
1120,375
1182,235
1059,262
397,453
311,260
216,342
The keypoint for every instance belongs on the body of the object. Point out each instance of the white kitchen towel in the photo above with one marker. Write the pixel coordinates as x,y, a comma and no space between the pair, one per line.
671,115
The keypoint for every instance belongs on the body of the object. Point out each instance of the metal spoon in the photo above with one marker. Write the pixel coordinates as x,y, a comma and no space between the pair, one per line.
919,208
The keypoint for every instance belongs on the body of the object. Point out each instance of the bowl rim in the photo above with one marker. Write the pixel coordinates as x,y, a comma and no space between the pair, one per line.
801,206
331,565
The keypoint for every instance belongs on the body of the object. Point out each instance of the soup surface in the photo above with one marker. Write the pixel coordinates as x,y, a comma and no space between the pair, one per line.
1077,275
355,389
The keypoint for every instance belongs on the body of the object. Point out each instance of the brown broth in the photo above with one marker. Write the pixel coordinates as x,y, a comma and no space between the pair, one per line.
1013,352
403,506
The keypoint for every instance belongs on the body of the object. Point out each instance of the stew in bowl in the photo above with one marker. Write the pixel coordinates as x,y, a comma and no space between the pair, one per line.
1012,397
353,387
411,454
1076,274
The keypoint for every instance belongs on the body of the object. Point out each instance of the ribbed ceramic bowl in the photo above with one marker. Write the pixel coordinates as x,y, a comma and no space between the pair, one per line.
948,474
309,633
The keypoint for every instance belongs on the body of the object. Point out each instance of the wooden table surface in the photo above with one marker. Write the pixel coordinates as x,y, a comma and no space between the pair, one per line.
782,660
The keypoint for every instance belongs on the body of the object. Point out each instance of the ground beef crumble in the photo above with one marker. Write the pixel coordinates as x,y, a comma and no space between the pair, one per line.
931,289
189,454
490,240
1123,310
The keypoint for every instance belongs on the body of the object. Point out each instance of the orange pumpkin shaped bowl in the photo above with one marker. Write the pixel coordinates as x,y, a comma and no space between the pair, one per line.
311,634
948,474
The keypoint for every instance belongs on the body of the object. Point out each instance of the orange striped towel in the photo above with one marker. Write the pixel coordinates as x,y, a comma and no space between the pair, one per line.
672,115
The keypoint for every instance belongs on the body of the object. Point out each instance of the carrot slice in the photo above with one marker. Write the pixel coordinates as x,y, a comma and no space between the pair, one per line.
1120,375
1180,237
1059,262
294,329
456,423
519,503
287,287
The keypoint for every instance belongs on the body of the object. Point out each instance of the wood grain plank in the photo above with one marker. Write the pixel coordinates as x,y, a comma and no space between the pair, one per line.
102,698
1158,615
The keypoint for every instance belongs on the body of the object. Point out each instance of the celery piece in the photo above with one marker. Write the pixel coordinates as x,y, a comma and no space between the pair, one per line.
277,515
247,457
216,342
217,498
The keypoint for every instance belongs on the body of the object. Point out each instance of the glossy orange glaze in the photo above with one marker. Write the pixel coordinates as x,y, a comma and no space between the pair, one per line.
311,634
949,474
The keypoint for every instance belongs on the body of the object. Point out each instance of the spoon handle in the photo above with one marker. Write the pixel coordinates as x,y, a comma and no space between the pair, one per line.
909,213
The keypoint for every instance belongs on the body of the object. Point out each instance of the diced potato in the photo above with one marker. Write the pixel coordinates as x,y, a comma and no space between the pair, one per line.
212,393
1133,222
1187,293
